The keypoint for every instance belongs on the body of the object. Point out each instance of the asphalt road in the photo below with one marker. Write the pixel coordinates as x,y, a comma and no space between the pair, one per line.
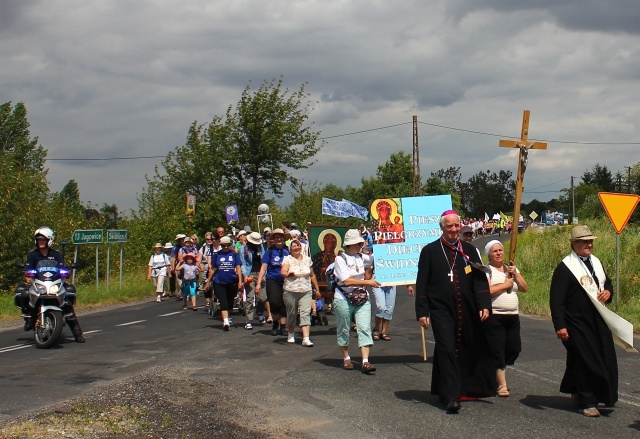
305,387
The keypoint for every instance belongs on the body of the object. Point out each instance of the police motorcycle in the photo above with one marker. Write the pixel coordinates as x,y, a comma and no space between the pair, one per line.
50,299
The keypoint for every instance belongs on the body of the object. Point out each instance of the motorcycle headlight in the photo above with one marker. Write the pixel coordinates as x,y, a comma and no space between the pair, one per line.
41,289
54,289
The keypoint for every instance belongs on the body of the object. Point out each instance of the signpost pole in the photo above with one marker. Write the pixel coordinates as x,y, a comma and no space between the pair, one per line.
108,265
97,277
121,258
617,268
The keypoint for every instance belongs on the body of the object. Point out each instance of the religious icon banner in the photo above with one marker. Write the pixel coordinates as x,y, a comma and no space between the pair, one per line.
400,228
325,242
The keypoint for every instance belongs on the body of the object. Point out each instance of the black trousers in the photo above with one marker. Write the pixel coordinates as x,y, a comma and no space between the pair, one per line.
503,333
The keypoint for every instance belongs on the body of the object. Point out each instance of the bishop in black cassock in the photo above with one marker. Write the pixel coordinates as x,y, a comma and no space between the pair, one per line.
454,298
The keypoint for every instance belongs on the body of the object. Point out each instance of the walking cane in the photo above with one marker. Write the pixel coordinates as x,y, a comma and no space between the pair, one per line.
424,345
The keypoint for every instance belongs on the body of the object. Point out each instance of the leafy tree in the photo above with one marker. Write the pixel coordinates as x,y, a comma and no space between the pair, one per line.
599,176
488,192
264,137
436,186
452,175
15,140
23,190
393,179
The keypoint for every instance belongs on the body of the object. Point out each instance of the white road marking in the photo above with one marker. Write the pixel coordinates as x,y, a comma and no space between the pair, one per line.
92,332
14,348
170,314
131,323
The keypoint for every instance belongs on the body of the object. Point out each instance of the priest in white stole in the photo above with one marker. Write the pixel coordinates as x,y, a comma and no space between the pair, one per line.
591,375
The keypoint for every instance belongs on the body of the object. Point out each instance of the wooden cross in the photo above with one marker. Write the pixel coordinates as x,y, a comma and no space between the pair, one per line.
524,145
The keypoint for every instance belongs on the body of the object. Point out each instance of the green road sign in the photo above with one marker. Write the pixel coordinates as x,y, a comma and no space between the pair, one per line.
94,236
117,236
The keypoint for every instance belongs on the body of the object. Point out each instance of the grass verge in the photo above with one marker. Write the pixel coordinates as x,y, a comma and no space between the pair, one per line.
541,250
134,287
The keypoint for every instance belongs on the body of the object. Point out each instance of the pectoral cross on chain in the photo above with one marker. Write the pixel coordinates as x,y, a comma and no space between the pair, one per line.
450,276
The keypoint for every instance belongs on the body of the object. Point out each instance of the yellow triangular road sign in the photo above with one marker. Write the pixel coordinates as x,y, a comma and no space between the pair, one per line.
619,207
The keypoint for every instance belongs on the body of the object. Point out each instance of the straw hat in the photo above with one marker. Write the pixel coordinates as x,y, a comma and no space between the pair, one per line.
581,233
168,245
157,245
280,232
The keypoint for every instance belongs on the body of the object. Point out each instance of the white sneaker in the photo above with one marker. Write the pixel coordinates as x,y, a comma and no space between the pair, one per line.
307,342
159,298
291,338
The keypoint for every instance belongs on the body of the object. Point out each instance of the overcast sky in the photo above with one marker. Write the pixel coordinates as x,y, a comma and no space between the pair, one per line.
126,79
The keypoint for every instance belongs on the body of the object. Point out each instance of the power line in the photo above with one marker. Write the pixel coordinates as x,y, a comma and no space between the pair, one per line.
108,158
540,140
362,132
550,184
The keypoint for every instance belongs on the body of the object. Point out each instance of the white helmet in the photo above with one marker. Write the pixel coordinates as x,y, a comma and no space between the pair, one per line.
47,233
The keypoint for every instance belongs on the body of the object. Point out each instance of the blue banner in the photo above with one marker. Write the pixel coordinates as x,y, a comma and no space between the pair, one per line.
333,208
355,210
401,227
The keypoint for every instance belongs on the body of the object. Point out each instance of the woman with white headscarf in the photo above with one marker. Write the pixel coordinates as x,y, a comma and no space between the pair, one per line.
503,328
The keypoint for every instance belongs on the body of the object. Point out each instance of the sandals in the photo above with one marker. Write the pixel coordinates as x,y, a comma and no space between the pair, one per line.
384,337
376,335
184,308
503,392
195,308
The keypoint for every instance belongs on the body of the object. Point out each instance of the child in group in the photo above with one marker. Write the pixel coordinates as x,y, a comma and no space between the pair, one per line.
190,271
159,266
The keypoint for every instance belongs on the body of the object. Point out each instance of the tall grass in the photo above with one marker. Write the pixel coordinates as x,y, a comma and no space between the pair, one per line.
541,250
134,287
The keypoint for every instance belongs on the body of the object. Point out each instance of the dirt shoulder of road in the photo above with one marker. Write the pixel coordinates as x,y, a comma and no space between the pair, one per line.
152,404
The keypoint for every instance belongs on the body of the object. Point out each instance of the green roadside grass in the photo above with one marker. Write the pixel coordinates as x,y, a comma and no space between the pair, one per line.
540,250
134,287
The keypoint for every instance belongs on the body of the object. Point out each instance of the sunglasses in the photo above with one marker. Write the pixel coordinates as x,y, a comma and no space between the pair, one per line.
225,245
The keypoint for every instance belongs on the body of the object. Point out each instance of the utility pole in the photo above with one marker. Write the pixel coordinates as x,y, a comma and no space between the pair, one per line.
524,145
573,202
417,184
628,179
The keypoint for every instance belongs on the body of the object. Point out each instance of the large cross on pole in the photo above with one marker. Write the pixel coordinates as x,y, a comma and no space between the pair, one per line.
524,145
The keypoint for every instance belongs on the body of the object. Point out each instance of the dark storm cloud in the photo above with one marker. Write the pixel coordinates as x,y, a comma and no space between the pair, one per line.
578,15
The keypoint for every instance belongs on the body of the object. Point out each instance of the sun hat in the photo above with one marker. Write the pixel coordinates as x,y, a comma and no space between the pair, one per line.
267,229
352,237
466,229
168,245
158,245
187,239
225,240
487,248
581,233
241,232
180,236
280,232
254,238
294,232
189,255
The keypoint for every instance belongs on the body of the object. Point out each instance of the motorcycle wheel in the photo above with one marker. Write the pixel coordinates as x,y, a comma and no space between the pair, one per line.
48,335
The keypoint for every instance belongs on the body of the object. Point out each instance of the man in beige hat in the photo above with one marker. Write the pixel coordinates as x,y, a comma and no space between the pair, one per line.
591,374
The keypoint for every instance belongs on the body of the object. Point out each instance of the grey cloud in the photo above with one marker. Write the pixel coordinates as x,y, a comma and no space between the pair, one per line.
578,15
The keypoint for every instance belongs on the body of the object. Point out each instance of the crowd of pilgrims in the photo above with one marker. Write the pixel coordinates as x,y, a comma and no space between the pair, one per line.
473,312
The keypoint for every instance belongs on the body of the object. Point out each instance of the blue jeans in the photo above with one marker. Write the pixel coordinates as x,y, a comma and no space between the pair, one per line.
385,301
344,310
